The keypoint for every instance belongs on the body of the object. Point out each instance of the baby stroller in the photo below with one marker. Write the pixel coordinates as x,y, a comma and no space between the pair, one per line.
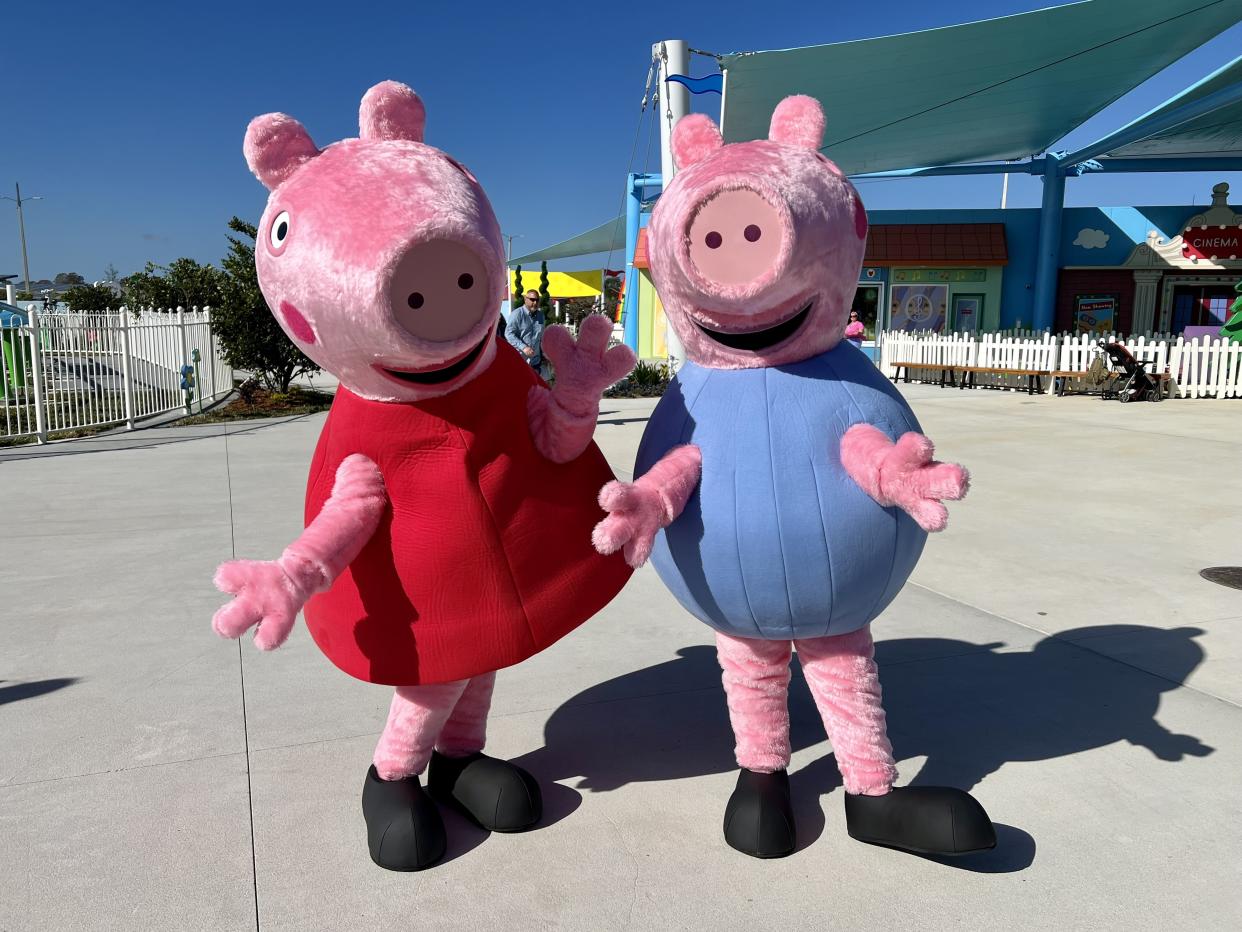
1131,380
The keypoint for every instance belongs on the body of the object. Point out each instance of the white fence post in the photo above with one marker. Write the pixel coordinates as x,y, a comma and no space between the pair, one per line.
36,373
185,353
211,351
127,369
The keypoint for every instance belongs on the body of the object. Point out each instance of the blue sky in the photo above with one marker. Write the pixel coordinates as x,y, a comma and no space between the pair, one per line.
130,124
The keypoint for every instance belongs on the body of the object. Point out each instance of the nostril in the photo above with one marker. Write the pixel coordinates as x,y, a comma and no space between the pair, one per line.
415,300
752,233
713,240
465,282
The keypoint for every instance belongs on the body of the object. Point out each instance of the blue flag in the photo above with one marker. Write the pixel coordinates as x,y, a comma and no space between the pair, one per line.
712,84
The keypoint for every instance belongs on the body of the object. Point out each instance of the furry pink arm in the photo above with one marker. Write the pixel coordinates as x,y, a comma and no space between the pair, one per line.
562,420
270,593
637,510
903,473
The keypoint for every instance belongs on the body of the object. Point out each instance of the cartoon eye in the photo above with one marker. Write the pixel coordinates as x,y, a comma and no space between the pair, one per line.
280,229
415,300
752,233
713,240
465,281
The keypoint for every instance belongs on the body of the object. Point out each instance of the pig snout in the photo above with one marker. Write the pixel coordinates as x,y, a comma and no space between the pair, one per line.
738,239
440,291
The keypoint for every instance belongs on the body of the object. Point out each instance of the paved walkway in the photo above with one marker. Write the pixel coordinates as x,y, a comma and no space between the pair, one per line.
1056,651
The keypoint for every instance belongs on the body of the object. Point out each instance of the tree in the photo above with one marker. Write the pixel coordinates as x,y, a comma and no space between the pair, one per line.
612,296
249,333
545,298
517,288
90,298
1232,331
111,274
184,283
68,278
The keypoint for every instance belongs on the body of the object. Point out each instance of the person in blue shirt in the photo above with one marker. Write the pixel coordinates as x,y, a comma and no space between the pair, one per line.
525,331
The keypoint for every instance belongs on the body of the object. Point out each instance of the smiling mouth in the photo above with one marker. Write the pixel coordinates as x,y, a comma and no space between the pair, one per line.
437,376
759,339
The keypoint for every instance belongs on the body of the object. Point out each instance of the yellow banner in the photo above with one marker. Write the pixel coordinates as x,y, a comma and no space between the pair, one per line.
562,284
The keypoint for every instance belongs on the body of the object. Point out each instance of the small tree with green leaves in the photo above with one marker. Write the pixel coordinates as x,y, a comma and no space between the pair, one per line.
545,297
1232,331
182,283
517,288
247,330
90,298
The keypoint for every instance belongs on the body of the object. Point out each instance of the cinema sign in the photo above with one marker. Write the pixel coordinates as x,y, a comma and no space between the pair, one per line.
1212,242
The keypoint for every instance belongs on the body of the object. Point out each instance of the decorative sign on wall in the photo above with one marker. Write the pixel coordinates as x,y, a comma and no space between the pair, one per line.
940,275
919,307
1212,242
1095,313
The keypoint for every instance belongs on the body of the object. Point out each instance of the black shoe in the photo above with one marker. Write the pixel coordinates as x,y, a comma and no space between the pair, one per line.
495,794
921,819
759,818
404,828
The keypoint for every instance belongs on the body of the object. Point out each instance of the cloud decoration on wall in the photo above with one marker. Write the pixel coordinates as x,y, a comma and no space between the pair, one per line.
1091,239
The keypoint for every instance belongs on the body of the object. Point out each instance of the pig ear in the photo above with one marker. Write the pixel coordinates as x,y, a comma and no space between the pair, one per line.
391,110
798,121
276,146
695,137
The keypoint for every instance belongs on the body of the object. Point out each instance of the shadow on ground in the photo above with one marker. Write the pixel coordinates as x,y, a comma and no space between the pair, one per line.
19,691
969,709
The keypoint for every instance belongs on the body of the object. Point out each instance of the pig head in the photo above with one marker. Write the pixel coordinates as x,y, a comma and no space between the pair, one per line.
755,247
380,256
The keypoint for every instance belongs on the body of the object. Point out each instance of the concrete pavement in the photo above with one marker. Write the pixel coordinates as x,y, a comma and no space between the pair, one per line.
1056,651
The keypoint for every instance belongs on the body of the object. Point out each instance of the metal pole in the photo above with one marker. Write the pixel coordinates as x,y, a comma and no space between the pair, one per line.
674,58
1049,250
127,369
21,225
1004,190
184,350
36,372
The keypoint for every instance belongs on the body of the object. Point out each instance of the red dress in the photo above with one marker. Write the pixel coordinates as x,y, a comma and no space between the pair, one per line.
483,557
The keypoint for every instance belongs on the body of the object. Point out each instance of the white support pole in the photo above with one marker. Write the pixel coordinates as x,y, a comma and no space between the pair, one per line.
127,369
36,372
1004,190
674,58
185,354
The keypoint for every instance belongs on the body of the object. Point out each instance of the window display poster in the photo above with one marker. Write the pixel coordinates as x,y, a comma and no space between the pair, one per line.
919,307
1095,313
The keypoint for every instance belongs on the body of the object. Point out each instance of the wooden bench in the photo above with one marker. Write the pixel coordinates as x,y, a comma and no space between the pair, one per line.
1034,377
947,372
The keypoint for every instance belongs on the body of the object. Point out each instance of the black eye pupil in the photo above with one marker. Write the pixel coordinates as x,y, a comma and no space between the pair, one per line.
465,281
281,229
415,300
714,240
752,233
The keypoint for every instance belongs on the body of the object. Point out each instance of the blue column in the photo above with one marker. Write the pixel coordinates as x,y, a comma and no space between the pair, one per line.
633,213
1048,257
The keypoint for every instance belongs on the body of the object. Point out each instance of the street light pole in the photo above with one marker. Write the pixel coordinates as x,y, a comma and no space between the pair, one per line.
21,225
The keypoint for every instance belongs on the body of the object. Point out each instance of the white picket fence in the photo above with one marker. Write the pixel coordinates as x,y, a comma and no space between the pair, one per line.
62,372
1199,368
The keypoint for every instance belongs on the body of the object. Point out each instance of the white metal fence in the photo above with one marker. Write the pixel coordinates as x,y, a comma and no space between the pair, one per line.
1199,368
62,372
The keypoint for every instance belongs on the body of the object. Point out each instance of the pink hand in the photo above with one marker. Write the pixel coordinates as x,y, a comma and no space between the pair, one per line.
635,514
265,594
584,369
904,474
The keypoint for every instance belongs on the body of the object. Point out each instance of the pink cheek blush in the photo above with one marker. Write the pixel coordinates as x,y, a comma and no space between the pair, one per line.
297,323
860,219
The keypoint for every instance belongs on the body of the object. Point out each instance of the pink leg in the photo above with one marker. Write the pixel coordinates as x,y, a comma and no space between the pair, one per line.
756,682
845,682
415,721
465,732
